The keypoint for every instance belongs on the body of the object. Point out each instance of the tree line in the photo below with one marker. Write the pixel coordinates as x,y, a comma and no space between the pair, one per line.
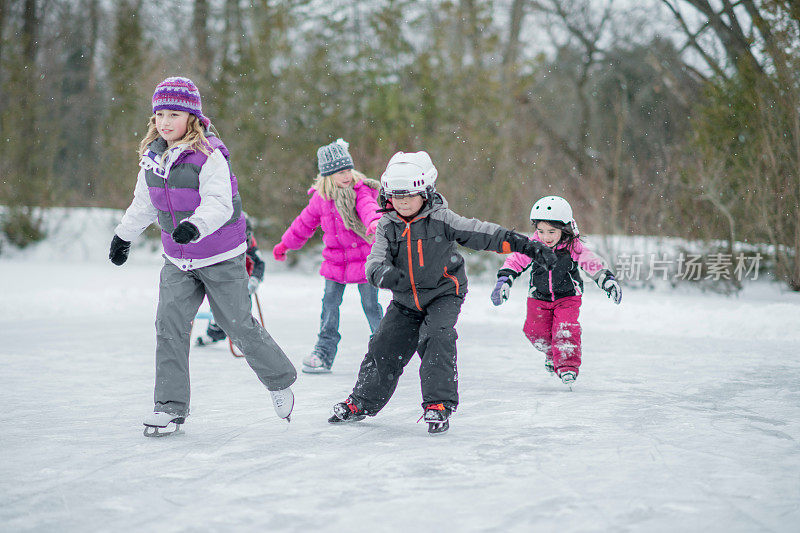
668,117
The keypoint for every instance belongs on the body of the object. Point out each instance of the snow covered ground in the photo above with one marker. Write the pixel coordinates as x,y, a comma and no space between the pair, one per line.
686,415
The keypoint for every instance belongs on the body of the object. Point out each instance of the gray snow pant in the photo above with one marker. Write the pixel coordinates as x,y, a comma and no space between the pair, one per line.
179,298
393,345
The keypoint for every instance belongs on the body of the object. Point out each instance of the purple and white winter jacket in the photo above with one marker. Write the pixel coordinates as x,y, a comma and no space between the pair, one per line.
183,184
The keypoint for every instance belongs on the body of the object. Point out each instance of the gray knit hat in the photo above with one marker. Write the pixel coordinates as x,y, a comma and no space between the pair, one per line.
334,157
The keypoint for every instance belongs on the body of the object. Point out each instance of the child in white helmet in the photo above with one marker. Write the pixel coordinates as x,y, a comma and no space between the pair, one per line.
415,257
554,298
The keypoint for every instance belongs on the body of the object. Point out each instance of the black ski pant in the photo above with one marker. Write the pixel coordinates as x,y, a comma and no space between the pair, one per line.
393,345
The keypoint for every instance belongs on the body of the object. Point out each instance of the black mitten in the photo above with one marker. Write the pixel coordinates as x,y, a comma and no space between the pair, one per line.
119,250
541,253
185,232
537,251
391,278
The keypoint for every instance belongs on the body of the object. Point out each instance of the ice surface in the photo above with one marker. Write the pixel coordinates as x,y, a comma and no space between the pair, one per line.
685,417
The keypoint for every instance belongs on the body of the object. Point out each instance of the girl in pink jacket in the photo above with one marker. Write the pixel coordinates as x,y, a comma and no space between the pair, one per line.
554,298
343,202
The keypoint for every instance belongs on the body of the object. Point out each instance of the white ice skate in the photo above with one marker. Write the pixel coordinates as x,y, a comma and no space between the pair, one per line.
160,424
283,401
314,365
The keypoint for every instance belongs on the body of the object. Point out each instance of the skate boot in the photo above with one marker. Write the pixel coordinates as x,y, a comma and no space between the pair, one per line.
437,417
212,335
160,424
548,365
568,377
283,401
346,411
313,364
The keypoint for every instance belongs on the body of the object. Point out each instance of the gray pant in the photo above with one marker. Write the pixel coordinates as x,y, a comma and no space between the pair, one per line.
329,337
179,298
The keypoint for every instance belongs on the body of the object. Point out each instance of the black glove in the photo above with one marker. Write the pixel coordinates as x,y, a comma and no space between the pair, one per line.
541,253
119,250
390,278
185,232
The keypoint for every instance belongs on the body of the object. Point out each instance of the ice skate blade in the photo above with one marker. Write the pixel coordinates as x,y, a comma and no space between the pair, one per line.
159,431
435,428
336,420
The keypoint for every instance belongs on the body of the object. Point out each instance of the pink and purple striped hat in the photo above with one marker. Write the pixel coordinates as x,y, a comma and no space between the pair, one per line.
180,94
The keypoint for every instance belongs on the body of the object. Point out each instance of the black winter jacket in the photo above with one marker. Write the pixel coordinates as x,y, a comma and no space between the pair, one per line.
564,279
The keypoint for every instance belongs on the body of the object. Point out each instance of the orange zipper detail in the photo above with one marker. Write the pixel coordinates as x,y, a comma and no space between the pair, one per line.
451,277
419,252
407,234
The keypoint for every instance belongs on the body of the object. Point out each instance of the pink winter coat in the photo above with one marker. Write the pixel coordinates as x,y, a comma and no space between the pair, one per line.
345,252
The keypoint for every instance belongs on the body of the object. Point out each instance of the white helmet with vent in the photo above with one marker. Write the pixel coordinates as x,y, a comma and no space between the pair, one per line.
556,209
408,174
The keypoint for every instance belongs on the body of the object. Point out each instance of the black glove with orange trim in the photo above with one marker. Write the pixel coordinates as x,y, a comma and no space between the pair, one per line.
539,252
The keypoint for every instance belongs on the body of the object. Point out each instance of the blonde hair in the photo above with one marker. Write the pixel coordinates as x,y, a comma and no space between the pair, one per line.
325,185
195,136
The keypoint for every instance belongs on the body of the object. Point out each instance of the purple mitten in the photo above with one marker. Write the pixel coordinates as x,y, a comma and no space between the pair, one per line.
501,290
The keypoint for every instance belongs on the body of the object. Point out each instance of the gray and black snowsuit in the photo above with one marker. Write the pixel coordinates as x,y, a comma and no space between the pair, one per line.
429,297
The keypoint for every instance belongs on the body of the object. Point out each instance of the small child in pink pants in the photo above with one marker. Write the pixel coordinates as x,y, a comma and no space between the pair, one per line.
554,298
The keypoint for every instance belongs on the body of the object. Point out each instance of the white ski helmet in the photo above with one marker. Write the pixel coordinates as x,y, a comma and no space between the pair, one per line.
408,174
556,209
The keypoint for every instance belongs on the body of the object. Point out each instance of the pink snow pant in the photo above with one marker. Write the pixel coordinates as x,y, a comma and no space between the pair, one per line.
553,328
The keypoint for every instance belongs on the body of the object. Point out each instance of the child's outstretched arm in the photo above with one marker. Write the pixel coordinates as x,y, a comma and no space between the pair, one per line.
140,214
301,229
597,269
480,235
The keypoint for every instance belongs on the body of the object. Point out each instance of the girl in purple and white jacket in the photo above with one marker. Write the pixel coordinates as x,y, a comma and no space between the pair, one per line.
344,204
186,185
